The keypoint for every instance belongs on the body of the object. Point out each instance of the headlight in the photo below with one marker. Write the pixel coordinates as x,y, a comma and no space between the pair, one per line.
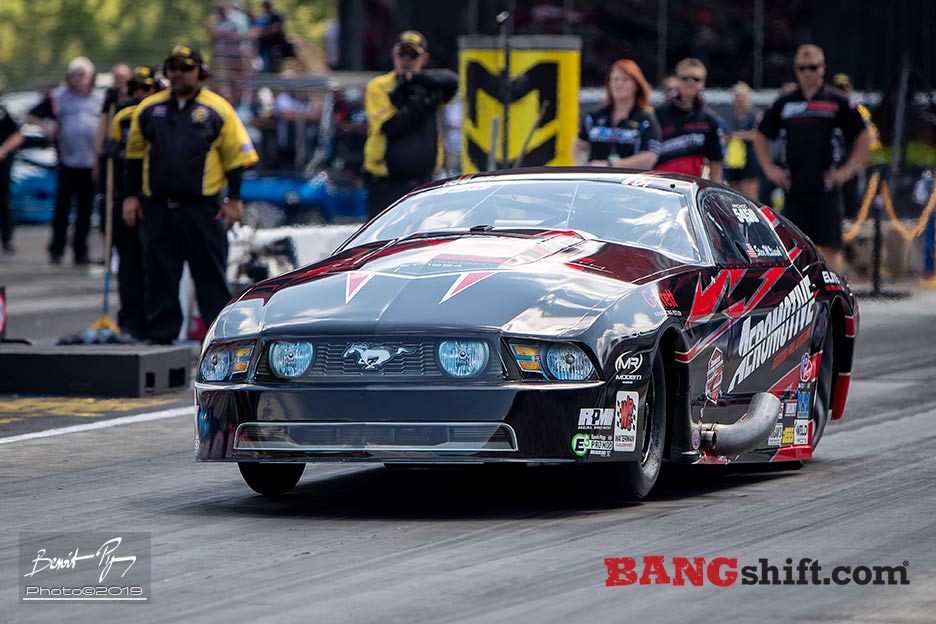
290,359
463,358
567,362
217,364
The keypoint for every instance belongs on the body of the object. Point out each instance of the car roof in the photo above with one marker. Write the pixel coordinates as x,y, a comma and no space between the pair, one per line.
635,177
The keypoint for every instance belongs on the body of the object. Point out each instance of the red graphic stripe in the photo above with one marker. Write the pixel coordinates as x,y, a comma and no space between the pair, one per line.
354,283
464,281
794,453
850,327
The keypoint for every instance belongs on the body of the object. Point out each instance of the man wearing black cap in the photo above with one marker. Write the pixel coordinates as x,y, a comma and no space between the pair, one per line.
131,318
190,143
404,136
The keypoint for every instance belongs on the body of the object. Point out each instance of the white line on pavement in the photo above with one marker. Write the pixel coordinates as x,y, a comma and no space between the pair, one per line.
101,424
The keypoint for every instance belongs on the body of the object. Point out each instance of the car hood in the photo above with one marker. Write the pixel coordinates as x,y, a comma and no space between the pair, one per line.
537,284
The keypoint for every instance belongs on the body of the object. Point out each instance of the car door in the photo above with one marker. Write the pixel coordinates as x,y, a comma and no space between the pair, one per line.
769,310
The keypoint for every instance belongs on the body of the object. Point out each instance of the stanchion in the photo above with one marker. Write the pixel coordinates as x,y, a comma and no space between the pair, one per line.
877,215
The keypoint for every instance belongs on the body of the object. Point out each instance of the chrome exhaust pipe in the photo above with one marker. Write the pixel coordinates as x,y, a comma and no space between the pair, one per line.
749,433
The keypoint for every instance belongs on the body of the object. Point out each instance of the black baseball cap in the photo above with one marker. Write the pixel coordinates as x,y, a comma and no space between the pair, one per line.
412,39
188,55
143,76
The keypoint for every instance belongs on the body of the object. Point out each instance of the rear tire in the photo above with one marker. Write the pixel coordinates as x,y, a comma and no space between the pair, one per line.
271,479
634,480
822,404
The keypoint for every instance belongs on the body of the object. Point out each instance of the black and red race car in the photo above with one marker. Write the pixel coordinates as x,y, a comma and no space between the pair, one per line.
539,316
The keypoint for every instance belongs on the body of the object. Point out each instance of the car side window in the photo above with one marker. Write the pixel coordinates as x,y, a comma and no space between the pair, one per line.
739,233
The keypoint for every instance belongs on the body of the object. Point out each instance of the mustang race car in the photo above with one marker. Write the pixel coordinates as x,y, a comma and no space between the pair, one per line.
555,315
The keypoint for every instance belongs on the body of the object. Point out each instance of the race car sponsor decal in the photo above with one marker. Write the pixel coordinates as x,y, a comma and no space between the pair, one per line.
801,432
789,410
776,436
355,282
581,444
802,404
790,349
669,303
714,375
762,340
596,424
696,439
465,281
629,367
596,419
806,368
787,435
832,281
625,421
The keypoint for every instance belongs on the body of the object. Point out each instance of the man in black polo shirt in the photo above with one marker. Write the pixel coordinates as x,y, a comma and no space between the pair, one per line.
815,123
691,131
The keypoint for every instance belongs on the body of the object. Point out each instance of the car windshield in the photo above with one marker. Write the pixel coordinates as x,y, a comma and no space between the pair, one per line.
611,211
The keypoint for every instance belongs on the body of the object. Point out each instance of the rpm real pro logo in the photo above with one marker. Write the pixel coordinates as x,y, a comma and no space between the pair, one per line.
760,341
541,101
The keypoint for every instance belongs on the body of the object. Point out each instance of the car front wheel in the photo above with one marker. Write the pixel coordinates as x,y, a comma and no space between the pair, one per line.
634,480
271,479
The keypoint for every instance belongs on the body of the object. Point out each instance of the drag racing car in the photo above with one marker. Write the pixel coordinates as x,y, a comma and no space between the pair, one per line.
542,316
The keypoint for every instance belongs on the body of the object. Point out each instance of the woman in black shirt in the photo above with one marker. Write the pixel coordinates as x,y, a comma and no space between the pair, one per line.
624,132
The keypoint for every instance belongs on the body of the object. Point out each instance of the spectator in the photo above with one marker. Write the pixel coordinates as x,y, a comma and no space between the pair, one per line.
691,131
115,97
185,144
270,37
814,119
741,170
853,189
227,59
76,109
669,87
10,139
404,138
350,124
131,318
624,132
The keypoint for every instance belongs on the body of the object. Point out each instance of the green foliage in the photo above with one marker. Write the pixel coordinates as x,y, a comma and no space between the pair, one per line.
39,37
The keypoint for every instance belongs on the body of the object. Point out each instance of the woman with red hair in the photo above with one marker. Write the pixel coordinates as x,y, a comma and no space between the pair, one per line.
624,132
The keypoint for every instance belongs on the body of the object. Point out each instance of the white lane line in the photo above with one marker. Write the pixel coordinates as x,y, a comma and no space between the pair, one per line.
101,424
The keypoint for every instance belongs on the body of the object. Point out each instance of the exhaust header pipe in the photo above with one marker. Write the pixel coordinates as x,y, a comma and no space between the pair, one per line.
749,433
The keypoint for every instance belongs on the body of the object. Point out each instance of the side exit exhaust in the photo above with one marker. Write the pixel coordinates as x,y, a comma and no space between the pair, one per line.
749,433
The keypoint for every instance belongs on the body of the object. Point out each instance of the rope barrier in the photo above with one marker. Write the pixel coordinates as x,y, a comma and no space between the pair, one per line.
865,205
907,235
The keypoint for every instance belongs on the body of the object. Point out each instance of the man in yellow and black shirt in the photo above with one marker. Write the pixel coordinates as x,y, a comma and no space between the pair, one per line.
404,137
185,144
132,315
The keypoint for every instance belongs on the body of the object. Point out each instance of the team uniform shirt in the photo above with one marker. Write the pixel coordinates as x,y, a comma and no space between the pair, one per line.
814,134
187,151
689,138
639,132
77,118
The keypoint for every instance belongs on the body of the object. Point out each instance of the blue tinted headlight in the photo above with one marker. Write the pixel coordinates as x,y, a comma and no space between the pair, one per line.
566,362
290,359
463,358
216,364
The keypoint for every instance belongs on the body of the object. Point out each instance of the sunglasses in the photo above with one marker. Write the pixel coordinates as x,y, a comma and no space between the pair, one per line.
407,53
691,78
179,67
808,67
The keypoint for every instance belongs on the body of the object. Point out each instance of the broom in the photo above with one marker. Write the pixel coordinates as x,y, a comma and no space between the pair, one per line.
105,323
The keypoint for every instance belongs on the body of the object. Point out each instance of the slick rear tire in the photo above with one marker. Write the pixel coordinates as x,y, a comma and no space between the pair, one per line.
271,479
634,480
822,404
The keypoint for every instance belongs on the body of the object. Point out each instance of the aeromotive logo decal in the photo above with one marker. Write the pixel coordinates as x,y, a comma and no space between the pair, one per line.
724,572
760,342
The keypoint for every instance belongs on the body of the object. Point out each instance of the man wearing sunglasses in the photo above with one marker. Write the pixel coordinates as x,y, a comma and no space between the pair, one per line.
815,123
404,132
186,144
691,131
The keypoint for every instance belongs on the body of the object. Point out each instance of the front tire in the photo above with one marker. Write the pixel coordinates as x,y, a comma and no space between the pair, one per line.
271,479
634,480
